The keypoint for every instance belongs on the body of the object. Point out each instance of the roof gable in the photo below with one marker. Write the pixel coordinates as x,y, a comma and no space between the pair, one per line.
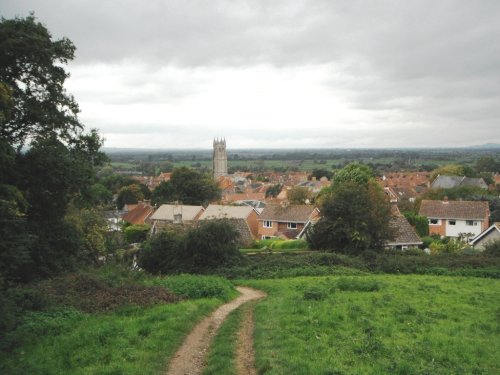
495,226
217,211
166,212
404,233
291,213
467,210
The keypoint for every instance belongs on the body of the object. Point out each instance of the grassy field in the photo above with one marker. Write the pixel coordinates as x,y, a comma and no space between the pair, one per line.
129,339
378,324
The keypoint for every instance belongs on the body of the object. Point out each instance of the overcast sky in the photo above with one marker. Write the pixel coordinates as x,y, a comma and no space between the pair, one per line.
288,74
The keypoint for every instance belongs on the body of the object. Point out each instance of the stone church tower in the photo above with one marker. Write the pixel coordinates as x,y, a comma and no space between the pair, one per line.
219,158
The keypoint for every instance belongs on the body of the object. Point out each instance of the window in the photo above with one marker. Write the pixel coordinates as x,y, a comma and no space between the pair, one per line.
452,222
267,224
291,225
433,221
266,237
470,222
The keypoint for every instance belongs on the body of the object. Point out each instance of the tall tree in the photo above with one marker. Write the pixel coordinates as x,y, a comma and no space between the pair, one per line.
32,82
355,214
193,187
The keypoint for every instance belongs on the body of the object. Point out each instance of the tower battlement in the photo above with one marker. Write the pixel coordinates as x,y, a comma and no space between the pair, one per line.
219,159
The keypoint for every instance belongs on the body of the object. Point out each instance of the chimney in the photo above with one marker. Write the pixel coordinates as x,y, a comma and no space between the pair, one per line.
445,200
285,203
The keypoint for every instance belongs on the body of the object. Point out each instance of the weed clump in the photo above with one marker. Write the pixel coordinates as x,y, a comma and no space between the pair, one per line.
352,284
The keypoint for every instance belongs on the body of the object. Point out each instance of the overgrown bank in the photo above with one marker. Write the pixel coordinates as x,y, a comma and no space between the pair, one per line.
281,265
103,321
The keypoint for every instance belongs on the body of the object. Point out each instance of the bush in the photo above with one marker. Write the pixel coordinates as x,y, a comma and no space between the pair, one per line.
211,244
136,233
357,285
191,286
492,248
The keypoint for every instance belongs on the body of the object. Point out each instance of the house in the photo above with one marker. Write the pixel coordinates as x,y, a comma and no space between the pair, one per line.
448,182
489,235
138,214
244,218
285,220
455,218
169,214
405,235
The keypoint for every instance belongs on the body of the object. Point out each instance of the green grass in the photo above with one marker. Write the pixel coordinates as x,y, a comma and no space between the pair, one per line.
378,324
130,341
197,286
221,358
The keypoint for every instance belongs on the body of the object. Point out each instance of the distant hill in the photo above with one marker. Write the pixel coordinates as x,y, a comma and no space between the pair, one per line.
486,145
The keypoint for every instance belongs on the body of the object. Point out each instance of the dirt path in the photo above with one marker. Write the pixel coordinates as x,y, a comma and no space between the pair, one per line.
245,354
190,358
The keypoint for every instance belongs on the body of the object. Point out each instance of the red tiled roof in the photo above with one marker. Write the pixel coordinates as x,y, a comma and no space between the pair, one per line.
467,210
291,213
139,214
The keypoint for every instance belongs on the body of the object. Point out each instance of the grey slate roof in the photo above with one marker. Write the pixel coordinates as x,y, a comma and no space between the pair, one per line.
405,234
448,182
466,210
298,213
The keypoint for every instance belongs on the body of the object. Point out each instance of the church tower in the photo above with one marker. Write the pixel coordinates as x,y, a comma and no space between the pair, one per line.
219,158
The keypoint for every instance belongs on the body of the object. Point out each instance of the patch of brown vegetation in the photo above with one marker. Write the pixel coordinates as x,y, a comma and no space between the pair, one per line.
90,294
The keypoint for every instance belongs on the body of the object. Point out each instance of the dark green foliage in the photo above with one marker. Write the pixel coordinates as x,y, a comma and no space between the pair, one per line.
163,193
193,187
130,194
355,218
315,293
136,233
355,213
356,284
270,266
492,248
420,223
30,67
210,244
487,164
274,190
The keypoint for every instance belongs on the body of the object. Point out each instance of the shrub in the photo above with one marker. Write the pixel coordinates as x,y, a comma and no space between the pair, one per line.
492,248
211,244
315,293
191,286
136,233
357,284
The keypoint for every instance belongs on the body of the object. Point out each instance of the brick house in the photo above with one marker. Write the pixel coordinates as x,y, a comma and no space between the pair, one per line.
285,220
456,218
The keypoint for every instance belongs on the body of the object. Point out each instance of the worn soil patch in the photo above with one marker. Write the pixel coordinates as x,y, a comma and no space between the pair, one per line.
90,294
191,356
245,353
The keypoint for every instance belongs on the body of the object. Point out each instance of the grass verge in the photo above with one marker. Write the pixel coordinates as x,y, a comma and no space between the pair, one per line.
221,358
378,324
